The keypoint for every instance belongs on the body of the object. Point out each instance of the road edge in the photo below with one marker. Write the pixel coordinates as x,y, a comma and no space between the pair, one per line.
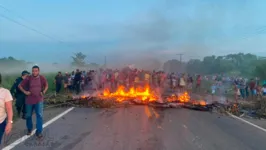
247,122
25,137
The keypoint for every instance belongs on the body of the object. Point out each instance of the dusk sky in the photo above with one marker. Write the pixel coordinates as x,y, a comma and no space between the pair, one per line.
52,30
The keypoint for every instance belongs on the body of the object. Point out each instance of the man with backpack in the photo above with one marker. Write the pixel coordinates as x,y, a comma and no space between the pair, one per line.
34,87
19,95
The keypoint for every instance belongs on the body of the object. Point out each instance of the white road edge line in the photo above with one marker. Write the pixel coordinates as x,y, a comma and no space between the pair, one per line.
256,126
25,137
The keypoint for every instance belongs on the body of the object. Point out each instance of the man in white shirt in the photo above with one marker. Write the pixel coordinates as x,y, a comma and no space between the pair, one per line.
6,111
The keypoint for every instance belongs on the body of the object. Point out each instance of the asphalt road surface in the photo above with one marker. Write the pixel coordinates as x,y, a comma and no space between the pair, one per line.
145,128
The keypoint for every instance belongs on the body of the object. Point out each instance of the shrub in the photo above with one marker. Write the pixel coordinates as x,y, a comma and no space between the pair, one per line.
9,79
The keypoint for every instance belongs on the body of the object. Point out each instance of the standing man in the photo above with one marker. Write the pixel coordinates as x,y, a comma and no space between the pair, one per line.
66,77
58,82
19,95
34,86
77,81
252,87
198,83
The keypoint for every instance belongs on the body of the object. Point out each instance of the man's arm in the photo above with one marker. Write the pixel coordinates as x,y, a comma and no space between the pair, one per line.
45,85
23,84
12,90
55,79
9,110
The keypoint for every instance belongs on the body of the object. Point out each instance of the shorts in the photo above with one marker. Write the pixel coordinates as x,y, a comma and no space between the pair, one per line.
182,86
2,129
189,86
213,91
65,85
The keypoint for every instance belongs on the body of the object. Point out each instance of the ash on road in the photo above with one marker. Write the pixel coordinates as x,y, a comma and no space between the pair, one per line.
146,128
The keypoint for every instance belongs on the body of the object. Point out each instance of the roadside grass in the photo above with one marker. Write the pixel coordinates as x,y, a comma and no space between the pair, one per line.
9,79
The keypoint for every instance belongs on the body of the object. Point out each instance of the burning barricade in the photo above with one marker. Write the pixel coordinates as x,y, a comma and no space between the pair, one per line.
139,96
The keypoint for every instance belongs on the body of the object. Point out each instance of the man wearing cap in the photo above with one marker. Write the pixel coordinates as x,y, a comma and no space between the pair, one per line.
19,95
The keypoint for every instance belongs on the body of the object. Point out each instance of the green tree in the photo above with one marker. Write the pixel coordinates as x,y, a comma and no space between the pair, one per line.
10,64
79,59
234,64
260,69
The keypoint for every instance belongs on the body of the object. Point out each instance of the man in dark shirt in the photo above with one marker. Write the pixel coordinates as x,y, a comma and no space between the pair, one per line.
58,82
19,95
34,86
77,81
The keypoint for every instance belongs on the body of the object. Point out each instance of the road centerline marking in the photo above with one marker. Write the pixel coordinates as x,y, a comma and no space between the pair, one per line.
247,122
25,137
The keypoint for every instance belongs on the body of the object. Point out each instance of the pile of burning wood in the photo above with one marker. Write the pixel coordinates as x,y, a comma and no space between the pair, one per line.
138,96
123,97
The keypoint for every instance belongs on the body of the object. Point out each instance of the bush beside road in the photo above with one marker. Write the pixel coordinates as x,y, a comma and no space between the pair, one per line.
9,79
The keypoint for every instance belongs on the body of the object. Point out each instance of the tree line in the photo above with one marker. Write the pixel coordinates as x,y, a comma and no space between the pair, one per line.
240,64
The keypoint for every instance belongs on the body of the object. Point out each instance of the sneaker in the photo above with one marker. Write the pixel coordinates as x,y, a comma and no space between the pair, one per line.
39,135
29,132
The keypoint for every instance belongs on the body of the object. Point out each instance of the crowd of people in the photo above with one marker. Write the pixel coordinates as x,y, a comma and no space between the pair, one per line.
79,81
243,88
251,88
29,89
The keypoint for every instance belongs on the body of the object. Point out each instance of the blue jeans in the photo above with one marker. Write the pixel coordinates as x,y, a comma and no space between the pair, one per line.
38,108
243,93
2,129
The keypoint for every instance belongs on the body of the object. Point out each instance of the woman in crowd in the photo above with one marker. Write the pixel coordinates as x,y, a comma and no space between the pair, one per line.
6,111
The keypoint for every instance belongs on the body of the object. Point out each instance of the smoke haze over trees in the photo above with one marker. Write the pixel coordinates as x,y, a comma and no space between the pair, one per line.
240,64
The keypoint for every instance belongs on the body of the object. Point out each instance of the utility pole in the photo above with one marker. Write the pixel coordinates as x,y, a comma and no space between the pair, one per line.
180,59
180,56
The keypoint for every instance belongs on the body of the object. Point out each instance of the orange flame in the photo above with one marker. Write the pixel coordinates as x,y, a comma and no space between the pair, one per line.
83,97
183,97
122,94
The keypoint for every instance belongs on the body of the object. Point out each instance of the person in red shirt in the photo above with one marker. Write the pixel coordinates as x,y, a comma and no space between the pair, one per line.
121,79
34,87
198,83
112,80
252,85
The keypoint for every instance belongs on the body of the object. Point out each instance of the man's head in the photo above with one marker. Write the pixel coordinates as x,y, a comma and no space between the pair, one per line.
24,74
35,71
59,73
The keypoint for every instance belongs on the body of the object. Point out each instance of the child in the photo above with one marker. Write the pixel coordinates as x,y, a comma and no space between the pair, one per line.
213,88
263,90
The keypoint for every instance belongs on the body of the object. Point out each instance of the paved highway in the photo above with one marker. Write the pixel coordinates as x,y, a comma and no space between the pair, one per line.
146,128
